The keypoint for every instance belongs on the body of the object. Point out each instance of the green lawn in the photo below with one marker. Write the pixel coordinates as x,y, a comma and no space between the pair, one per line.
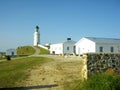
43,51
2,57
25,50
16,70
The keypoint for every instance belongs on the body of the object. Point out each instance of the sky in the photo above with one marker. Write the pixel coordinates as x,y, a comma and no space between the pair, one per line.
58,20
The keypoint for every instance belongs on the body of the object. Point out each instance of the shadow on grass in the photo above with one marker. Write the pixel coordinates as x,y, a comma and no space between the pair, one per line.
30,87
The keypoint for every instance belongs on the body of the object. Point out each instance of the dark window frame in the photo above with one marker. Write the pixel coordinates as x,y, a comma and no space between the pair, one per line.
101,49
112,49
68,48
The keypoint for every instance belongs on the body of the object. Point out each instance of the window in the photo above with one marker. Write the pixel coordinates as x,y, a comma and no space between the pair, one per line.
101,49
68,48
112,49
12,53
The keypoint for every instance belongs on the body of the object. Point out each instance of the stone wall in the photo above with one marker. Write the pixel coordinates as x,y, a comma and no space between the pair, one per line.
100,62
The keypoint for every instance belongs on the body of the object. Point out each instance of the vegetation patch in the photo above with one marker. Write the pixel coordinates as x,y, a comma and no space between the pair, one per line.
103,81
2,55
25,50
43,51
14,71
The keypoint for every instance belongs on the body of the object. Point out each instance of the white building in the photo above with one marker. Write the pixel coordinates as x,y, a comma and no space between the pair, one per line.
11,52
67,47
92,44
36,36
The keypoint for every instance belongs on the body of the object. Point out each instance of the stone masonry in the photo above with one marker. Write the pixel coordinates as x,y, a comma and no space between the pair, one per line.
99,62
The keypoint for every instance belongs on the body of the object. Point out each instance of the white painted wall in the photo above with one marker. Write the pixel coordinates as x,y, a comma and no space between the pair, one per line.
61,48
107,47
70,45
11,52
56,48
36,38
84,45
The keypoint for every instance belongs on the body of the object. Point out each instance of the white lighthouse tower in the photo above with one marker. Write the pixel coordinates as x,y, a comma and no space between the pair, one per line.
36,36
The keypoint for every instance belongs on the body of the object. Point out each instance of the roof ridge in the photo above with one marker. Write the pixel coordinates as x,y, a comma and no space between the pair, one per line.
103,38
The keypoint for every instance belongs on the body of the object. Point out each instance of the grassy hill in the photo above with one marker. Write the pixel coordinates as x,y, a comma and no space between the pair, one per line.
17,70
25,50
43,51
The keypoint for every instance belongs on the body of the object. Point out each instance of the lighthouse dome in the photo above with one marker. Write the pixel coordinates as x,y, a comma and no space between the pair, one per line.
37,29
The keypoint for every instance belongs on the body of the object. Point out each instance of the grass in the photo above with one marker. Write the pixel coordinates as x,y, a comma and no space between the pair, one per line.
73,85
2,57
25,50
43,51
14,71
102,81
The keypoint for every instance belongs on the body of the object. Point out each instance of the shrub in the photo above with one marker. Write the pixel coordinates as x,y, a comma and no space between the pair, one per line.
25,50
8,57
103,81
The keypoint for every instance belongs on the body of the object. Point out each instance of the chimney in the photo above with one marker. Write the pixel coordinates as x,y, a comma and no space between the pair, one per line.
68,39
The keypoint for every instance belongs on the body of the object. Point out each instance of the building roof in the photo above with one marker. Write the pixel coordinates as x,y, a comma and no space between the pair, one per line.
69,41
103,40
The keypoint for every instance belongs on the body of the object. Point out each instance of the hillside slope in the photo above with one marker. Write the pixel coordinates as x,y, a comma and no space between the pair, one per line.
43,51
58,74
25,50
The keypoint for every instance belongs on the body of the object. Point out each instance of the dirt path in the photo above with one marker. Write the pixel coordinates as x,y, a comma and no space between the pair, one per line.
37,51
56,74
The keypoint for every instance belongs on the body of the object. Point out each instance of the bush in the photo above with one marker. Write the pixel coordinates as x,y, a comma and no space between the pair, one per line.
103,81
8,57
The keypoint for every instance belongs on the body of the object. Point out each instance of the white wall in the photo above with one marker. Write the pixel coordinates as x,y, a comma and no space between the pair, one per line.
84,45
11,52
70,45
57,48
107,47
36,38
61,48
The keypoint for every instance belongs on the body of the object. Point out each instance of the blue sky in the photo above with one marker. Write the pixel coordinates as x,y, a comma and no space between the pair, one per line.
57,19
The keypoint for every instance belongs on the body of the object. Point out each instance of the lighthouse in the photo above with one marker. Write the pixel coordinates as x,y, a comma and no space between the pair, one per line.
36,36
